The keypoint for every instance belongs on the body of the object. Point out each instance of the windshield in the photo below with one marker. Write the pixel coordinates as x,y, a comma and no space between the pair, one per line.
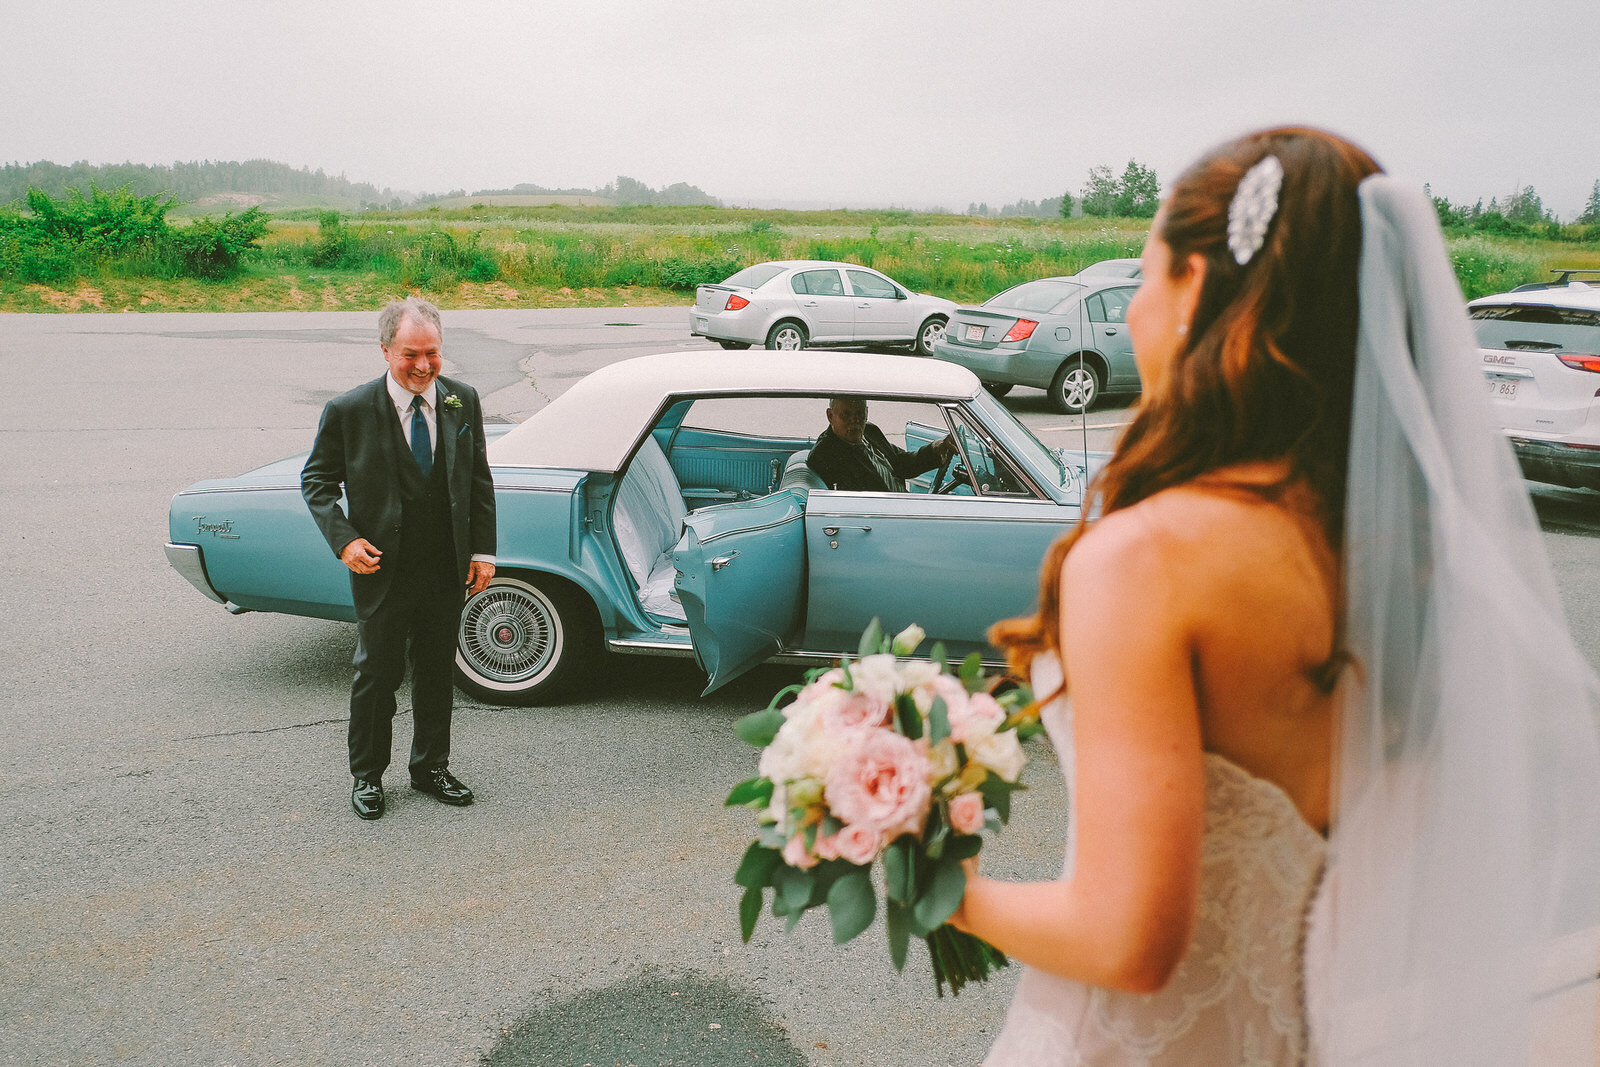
755,277
1038,297
1533,328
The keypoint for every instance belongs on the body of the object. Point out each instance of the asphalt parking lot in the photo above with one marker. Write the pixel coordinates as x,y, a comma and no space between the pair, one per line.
183,879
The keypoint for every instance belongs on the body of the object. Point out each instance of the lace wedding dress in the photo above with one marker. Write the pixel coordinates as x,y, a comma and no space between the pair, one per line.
1237,998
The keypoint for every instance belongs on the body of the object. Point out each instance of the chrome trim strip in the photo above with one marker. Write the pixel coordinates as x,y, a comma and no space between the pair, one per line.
188,561
822,516
644,646
241,489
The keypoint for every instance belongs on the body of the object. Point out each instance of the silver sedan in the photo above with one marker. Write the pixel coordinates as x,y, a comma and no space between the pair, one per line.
794,304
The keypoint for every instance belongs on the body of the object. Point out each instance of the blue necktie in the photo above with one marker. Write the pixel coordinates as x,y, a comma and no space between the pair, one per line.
421,447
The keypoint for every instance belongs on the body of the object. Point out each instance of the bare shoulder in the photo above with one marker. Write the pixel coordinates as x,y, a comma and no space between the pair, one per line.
1191,542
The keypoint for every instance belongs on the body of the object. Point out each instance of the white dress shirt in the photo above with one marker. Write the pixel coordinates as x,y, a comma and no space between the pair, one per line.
400,396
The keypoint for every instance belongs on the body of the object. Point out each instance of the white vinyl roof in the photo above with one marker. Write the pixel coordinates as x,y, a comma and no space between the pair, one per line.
595,424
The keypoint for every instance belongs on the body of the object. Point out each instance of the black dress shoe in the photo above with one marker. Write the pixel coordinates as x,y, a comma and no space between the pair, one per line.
367,798
440,783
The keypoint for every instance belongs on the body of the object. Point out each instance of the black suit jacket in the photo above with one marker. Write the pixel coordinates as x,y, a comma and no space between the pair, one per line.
843,466
360,447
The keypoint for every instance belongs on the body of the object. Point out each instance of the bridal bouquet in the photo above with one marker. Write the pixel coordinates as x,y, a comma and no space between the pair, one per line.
882,759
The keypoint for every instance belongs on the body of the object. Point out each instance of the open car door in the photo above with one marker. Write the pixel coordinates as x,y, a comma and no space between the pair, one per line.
741,580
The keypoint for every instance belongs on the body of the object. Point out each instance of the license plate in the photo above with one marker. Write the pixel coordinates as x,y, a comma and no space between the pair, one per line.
1503,388
974,333
704,323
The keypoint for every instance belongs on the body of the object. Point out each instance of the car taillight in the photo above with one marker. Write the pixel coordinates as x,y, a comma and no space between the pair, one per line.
735,302
1021,331
1578,361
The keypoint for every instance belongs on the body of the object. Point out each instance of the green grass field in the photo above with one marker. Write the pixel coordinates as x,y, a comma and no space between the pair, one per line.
496,254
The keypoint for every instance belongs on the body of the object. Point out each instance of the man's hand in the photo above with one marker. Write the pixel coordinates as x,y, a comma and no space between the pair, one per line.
361,556
478,574
945,447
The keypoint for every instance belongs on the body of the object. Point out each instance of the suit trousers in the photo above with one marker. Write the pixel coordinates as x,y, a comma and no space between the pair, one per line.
422,607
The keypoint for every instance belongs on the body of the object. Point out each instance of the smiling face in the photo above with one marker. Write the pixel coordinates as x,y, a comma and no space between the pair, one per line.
847,418
415,356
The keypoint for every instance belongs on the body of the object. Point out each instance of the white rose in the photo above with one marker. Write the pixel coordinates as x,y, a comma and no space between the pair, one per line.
1001,753
876,677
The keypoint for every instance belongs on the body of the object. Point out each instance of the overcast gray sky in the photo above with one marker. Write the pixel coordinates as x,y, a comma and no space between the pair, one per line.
842,101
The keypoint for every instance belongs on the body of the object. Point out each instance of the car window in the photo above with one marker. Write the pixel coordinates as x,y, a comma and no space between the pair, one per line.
1097,308
1039,296
865,283
757,276
1114,303
991,469
1533,328
818,283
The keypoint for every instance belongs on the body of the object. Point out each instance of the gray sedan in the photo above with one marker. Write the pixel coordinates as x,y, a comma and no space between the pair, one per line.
1067,336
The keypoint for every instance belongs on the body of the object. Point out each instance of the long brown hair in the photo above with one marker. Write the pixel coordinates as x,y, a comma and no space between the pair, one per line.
1269,367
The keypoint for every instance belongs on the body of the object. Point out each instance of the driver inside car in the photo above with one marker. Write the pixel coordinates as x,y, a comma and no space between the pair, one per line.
854,454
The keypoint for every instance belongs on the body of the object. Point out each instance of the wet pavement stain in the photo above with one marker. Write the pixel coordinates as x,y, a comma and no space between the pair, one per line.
649,1020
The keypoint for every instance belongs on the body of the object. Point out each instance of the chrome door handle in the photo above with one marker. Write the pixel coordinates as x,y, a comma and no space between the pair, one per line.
1110,332
833,531
722,561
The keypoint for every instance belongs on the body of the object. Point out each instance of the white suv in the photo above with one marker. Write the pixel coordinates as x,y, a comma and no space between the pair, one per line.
1541,359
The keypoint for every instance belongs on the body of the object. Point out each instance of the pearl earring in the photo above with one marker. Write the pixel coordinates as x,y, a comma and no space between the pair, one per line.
1183,329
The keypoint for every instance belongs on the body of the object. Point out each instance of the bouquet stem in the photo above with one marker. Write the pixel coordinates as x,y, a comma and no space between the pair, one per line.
959,958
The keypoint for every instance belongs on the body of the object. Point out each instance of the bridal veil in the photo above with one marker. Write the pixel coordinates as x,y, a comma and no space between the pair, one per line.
1459,918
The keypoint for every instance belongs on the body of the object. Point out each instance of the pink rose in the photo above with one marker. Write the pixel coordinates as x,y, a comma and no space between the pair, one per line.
858,844
880,781
795,854
851,711
976,717
966,813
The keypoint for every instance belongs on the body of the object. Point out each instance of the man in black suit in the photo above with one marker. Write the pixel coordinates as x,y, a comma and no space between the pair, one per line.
854,454
418,529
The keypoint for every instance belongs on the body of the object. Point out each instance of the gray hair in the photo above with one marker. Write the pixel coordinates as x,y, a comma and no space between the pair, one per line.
395,311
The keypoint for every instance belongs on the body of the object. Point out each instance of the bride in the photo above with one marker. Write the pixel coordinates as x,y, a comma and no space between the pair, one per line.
1333,759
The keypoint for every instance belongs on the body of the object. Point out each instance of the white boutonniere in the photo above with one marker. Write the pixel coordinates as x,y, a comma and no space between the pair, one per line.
452,401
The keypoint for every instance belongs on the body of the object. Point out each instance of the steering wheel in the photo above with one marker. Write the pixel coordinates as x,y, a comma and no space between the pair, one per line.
956,467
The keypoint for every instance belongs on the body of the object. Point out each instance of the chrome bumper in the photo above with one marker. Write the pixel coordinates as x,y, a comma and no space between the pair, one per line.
187,561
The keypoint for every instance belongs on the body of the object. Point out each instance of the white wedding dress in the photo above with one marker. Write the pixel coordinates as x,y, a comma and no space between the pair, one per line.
1237,998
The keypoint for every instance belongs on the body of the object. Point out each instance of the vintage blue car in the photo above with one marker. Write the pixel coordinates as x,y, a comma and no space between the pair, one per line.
663,505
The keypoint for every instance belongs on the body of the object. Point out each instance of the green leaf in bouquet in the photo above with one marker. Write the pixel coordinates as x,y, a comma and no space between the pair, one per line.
749,912
759,727
847,682
997,794
754,792
851,905
941,899
773,837
755,869
940,657
971,672
907,715
872,639
938,721
899,869
777,702
898,925
963,846
794,888
934,833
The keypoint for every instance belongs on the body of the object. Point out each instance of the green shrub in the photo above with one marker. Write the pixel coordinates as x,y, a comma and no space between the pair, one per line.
212,248
1485,266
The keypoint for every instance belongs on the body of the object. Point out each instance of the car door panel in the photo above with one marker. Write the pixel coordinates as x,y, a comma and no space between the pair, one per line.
951,564
740,580
829,313
880,313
